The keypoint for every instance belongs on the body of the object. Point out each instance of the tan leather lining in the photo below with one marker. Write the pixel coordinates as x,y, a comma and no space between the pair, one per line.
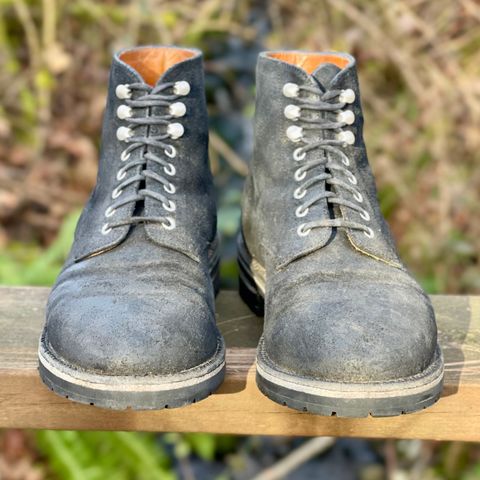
151,63
309,61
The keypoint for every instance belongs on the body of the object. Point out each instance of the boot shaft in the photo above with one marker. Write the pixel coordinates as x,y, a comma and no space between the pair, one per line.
287,158
154,153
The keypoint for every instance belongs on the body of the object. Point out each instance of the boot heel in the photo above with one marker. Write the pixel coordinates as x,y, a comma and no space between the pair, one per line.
249,292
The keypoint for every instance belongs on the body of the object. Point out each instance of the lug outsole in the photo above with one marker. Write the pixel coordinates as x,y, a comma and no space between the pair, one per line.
337,411
380,399
135,393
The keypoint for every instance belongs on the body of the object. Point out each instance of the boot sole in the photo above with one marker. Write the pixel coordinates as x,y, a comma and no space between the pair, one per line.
151,392
379,399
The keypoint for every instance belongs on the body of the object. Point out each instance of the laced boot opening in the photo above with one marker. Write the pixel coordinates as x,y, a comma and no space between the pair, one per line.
152,62
151,128
320,121
309,61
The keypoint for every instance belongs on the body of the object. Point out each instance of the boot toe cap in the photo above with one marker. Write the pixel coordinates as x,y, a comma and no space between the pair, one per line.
161,333
366,333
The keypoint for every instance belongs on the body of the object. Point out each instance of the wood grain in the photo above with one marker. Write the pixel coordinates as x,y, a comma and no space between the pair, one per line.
238,407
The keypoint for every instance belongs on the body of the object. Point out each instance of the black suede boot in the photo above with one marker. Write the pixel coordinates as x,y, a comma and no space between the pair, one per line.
347,329
131,318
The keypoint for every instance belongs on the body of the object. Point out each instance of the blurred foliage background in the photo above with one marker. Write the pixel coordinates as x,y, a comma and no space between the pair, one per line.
419,67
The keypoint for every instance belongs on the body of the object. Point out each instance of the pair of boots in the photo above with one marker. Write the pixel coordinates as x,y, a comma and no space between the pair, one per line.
131,318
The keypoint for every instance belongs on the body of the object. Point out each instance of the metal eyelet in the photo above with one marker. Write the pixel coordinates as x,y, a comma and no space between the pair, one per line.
365,215
124,156
299,193
116,193
369,233
124,134
121,174
299,212
175,130
109,212
352,178
181,88
170,207
177,109
347,96
106,229
346,116
170,225
299,175
124,112
171,151
294,133
123,91
358,197
170,188
291,90
170,169
299,155
302,232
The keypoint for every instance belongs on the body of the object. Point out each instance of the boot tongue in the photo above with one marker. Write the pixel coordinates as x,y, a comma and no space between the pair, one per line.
325,73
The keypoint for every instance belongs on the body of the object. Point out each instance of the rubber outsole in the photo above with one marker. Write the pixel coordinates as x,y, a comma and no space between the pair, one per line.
379,399
151,392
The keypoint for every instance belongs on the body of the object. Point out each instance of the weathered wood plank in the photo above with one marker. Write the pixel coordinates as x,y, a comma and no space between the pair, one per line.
238,407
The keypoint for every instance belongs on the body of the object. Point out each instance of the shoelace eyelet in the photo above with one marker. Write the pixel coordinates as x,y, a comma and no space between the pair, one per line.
170,225
177,109
116,193
123,92
170,188
292,112
346,116
301,212
299,193
124,112
124,133
302,232
352,179
294,133
170,169
170,207
347,96
124,156
106,229
346,136
181,88
299,175
109,212
171,151
369,233
365,215
358,197
299,154
121,174
175,130
291,90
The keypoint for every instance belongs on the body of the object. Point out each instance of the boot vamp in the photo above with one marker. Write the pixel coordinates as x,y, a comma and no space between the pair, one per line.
137,309
340,315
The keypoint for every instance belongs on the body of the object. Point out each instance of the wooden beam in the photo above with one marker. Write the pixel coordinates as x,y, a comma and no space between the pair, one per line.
238,407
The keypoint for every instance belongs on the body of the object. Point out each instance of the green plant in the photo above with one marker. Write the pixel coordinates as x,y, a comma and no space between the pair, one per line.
75,455
28,264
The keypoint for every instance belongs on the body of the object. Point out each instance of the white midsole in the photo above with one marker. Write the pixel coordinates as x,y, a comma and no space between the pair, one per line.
364,391
117,383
